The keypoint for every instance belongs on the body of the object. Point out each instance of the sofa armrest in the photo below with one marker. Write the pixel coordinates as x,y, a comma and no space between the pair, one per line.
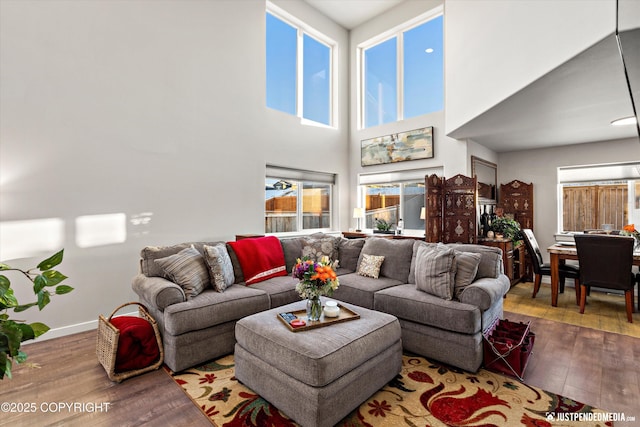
158,291
483,293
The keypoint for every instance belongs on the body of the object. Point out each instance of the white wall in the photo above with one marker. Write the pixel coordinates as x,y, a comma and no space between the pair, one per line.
540,168
449,153
496,47
145,106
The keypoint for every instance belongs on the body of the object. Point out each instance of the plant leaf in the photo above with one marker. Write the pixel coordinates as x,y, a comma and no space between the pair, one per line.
24,307
7,299
43,299
63,289
5,284
39,283
5,365
4,266
38,329
53,277
21,357
27,332
13,334
52,261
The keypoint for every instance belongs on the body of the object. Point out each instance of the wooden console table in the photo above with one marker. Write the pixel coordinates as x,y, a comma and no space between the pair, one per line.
513,257
359,235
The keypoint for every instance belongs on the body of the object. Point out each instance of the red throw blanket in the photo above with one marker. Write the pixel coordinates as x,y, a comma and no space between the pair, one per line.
260,258
137,346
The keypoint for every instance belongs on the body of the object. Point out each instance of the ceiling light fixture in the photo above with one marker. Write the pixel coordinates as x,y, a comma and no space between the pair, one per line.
429,50
624,121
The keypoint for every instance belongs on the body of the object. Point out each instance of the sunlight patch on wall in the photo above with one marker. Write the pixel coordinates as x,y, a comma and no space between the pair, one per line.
30,238
100,230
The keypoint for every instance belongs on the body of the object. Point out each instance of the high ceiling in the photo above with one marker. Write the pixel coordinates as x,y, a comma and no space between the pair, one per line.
351,13
573,104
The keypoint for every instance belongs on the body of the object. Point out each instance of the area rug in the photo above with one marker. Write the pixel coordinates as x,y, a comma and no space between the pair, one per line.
604,312
423,394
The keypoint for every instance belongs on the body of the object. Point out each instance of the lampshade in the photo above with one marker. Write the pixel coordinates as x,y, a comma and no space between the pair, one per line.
422,213
358,212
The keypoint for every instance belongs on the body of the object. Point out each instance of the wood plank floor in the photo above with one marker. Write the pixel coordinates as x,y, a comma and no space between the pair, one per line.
595,367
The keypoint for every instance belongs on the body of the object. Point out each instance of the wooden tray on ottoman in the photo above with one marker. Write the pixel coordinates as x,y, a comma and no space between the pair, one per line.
344,316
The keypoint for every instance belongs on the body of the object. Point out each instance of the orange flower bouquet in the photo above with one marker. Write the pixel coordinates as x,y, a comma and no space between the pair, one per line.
316,279
630,230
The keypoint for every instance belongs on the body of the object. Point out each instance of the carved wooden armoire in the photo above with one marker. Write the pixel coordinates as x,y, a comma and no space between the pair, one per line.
516,198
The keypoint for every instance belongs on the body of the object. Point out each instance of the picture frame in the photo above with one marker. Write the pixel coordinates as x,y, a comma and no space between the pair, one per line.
416,144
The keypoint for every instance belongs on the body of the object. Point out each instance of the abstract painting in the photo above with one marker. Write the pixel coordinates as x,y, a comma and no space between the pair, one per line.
398,147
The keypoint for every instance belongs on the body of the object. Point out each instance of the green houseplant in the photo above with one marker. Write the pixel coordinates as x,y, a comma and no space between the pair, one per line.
509,228
13,332
382,226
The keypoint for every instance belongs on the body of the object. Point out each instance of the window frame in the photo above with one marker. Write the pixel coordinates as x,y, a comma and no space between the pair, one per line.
603,175
397,32
303,29
299,178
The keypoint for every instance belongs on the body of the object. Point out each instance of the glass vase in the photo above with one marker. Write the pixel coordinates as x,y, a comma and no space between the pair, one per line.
314,309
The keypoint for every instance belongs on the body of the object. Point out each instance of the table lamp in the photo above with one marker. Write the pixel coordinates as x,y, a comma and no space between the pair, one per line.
358,213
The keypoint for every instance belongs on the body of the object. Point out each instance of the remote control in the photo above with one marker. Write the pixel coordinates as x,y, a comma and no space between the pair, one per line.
288,317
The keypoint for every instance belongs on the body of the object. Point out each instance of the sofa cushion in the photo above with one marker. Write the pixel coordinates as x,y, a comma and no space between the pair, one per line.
292,249
260,258
315,248
281,290
435,271
490,261
213,308
466,269
151,253
349,253
409,303
220,267
359,290
397,255
187,269
412,270
370,265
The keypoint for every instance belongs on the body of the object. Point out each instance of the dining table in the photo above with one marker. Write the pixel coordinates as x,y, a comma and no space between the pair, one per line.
560,252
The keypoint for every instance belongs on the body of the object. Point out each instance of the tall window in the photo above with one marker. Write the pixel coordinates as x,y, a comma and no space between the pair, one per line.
594,195
299,69
403,75
294,203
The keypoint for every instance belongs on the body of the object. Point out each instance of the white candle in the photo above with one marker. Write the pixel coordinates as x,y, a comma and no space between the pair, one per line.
331,309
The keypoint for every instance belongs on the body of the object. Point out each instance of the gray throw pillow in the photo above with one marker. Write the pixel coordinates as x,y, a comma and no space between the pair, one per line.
220,266
435,269
187,269
466,269
316,248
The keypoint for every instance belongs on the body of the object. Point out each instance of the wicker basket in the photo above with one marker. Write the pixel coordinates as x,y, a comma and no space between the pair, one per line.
107,344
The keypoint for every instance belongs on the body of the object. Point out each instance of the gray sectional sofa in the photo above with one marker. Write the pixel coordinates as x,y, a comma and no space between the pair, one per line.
449,329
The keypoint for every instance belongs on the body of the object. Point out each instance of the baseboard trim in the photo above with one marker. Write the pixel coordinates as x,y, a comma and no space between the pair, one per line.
74,329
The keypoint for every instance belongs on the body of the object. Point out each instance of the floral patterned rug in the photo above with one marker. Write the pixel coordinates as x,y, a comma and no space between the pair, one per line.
423,394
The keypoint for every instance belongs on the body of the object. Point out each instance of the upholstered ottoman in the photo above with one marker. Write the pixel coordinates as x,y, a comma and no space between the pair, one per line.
317,376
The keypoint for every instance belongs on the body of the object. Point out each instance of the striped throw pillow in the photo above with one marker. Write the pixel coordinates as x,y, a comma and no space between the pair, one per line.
435,269
186,269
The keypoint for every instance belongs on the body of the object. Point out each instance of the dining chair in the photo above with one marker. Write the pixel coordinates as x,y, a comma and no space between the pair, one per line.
606,262
540,268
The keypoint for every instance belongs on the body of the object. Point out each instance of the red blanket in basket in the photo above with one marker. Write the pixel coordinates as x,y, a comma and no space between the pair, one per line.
137,346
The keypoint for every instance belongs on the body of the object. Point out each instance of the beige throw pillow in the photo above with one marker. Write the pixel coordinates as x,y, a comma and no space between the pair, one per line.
370,265
435,269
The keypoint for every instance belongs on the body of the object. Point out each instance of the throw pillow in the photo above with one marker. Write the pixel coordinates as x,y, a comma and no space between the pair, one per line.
370,265
220,267
435,269
316,248
187,269
466,269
